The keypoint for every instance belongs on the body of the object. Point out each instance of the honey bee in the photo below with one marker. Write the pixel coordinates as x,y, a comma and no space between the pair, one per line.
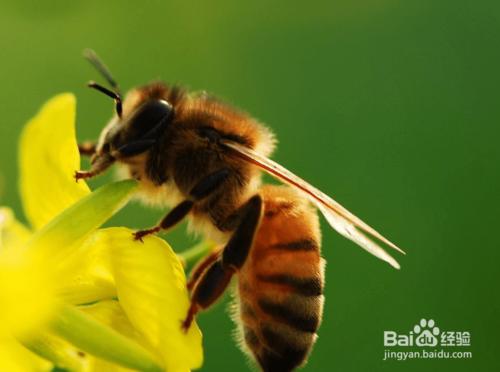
204,159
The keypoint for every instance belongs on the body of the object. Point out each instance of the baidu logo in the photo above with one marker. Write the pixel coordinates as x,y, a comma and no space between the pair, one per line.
426,334
426,341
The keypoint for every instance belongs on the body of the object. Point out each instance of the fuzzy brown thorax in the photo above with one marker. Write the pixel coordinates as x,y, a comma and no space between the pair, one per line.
188,148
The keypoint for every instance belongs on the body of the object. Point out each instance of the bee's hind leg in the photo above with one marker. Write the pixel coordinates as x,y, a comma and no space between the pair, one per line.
215,279
201,267
208,289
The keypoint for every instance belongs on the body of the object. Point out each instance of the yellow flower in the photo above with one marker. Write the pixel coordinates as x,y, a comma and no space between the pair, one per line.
26,287
70,287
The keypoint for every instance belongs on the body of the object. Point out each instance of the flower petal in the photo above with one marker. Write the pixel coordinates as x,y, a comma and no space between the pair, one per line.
87,287
27,286
151,288
13,234
15,358
26,293
48,159
93,280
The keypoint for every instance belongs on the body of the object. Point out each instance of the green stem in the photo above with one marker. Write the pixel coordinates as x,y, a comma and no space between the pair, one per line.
89,335
55,350
76,222
192,255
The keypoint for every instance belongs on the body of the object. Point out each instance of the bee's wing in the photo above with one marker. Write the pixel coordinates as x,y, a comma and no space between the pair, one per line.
337,216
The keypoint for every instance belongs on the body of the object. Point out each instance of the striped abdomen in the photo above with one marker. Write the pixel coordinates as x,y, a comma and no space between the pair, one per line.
281,283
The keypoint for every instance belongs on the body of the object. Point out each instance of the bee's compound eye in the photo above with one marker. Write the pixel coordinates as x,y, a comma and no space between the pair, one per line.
151,116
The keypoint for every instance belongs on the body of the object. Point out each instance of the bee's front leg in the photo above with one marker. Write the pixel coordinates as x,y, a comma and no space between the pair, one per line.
99,165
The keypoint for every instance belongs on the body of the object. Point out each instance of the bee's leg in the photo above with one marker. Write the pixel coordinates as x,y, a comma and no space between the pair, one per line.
87,148
201,267
216,278
200,191
171,219
236,250
208,289
99,165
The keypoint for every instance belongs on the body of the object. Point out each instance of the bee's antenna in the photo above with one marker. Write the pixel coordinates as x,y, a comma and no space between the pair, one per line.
92,57
116,96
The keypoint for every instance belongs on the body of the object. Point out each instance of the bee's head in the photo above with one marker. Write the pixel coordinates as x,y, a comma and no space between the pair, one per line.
135,131
139,121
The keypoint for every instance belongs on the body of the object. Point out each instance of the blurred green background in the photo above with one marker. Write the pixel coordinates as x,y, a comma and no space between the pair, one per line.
390,106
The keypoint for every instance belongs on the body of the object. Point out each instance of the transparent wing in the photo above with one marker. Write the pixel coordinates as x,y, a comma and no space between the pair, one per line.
343,221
